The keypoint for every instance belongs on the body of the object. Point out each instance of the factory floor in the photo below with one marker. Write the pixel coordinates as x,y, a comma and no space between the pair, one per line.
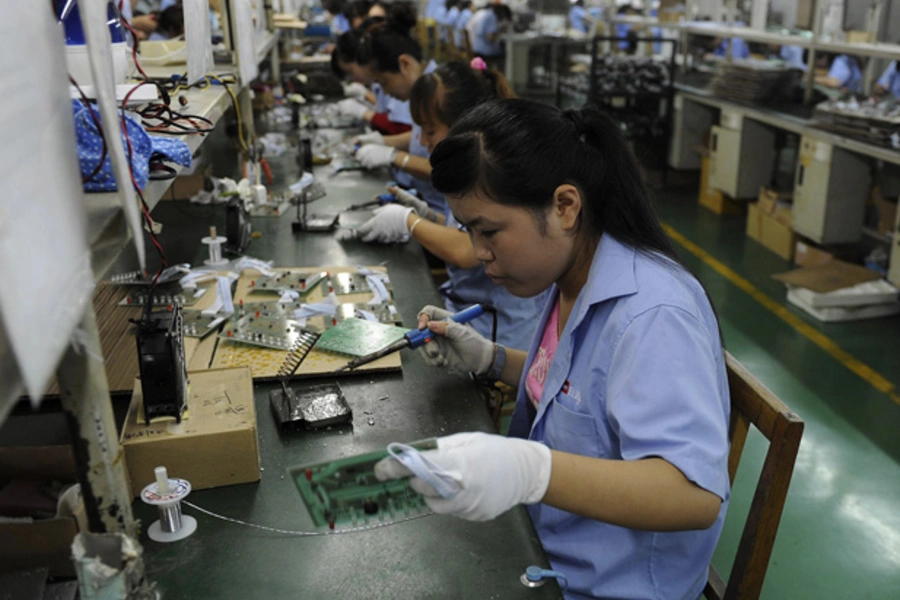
840,532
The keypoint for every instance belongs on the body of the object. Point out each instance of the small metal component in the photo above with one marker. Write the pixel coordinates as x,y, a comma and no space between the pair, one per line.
532,584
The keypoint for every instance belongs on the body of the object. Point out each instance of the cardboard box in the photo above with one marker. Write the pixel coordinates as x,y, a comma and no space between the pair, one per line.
185,186
754,222
36,448
770,231
834,275
214,445
714,199
807,255
860,37
887,215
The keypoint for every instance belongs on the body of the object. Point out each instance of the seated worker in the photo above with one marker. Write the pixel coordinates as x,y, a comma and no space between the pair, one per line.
465,15
619,441
340,24
739,48
793,57
358,11
485,29
438,99
889,82
449,20
169,24
394,60
578,17
391,116
844,73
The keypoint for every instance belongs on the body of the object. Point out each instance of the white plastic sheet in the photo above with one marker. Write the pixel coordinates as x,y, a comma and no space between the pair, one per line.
198,39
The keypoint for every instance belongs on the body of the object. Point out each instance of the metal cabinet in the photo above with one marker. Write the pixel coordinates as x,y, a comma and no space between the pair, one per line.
742,155
894,272
830,192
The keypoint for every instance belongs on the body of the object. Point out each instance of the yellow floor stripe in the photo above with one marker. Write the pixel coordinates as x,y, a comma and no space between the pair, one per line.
875,379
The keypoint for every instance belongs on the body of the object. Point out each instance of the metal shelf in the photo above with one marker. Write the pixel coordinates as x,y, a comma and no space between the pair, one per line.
752,35
877,50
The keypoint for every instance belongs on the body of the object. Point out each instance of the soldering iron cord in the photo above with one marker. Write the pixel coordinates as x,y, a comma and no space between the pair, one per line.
304,533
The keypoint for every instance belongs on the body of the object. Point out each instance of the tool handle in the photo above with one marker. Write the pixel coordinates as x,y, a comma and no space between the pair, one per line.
420,337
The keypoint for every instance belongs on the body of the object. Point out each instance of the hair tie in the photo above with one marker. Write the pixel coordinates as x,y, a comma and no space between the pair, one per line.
478,64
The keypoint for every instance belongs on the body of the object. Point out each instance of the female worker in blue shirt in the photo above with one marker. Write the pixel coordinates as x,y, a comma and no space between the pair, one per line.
620,435
889,82
844,74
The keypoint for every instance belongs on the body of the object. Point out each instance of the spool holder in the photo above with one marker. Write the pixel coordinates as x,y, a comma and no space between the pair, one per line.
167,493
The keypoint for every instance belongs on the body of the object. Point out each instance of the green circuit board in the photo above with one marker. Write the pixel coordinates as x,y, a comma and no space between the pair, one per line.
345,492
357,337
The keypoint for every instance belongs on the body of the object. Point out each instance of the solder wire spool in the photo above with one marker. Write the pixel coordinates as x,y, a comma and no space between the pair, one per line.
215,248
167,494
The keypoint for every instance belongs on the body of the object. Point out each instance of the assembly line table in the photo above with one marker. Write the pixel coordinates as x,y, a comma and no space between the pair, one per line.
431,557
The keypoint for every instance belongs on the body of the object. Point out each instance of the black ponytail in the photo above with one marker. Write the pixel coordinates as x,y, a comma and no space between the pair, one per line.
517,152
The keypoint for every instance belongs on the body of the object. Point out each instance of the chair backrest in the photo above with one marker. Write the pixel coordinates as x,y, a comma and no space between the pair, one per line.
753,403
468,53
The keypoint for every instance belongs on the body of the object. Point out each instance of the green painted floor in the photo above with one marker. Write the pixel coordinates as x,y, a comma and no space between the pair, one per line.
840,532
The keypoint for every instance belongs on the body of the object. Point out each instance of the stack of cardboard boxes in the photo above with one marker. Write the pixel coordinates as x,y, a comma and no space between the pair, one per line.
769,223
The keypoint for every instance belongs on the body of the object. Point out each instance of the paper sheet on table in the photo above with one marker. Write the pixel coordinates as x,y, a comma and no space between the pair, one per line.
198,39
248,69
44,257
99,48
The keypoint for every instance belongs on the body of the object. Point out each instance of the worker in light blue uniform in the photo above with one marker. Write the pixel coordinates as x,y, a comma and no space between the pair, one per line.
620,431
465,14
739,48
793,57
844,74
449,20
578,17
889,82
484,28
433,9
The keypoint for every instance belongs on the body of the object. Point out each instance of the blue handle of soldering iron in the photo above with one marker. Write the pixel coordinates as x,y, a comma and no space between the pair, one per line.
420,337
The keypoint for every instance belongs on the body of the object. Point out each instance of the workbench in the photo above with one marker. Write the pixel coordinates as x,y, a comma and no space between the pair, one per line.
431,557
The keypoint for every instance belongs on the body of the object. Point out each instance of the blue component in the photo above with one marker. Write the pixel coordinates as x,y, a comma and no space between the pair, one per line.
67,13
420,466
386,198
420,337
535,574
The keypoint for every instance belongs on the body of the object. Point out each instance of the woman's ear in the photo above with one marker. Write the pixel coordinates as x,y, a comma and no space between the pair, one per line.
407,64
567,204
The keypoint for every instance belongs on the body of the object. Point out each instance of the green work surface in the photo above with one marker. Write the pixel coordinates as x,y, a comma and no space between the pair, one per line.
345,492
358,337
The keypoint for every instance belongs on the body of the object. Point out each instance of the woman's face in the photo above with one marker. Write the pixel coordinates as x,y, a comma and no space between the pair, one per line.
516,251
433,132
356,72
377,10
400,84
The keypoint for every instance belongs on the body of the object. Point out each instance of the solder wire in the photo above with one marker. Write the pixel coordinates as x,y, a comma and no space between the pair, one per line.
306,533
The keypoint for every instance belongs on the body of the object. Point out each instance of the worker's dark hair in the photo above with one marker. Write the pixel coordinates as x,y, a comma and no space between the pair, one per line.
517,152
448,4
502,11
171,20
453,89
347,45
358,9
383,45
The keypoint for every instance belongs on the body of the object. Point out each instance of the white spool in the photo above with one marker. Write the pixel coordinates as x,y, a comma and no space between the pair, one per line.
215,248
167,494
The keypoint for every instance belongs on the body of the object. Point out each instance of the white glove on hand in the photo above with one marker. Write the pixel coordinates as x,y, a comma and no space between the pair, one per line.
420,206
352,108
495,473
370,138
372,156
388,226
355,90
457,346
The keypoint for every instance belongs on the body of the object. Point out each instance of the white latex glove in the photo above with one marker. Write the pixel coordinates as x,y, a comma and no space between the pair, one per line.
457,346
370,138
420,206
495,473
373,156
387,226
352,108
355,90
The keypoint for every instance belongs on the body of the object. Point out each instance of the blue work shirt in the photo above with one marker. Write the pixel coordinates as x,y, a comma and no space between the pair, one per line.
890,81
639,372
846,70
430,195
449,21
622,30
460,26
433,8
576,18
516,317
740,49
484,24
793,57
381,98
340,24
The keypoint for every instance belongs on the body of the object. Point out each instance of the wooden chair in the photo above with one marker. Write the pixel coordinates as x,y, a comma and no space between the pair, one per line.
449,50
467,53
752,402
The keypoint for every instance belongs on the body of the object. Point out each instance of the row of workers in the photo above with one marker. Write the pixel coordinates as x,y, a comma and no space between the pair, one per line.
618,444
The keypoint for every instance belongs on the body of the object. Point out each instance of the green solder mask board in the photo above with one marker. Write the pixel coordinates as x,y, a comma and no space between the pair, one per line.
345,492
357,337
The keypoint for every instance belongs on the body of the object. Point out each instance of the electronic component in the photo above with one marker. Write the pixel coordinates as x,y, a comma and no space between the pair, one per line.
198,324
315,406
346,492
163,296
351,283
301,282
268,332
356,337
237,227
385,312
164,379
